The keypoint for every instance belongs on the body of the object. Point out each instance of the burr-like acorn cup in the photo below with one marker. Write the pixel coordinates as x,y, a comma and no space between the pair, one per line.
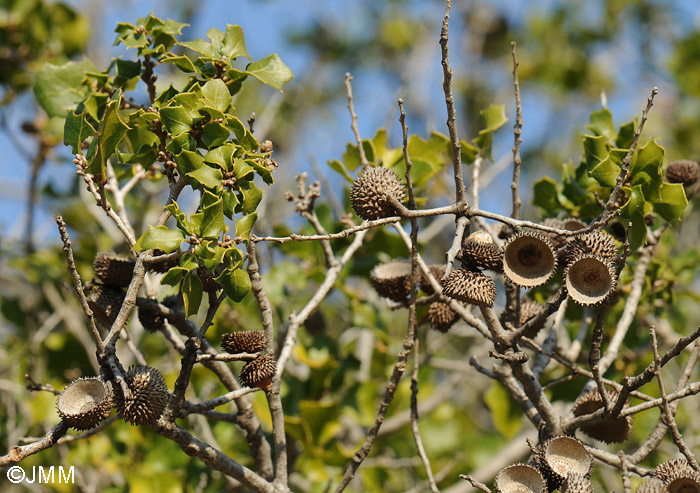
678,476
148,399
392,280
437,270
114,270
151,319
105,303
594,243
561,456
529,259
470,287
529,309
685,171
590,279
259,372
480,252
576,483
441,316
519,478
371,191
608,430
84,403
244,341
652,485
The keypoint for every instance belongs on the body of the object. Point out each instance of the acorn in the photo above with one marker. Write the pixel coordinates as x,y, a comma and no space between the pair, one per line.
590,279
371,190
259,372
519,478
576,483
608,430
148,399
84,403
678,476
392,280
105,303
244,341
114,270
594,243
652,485
470,287
437,270
529,259
480,252
441,316
560,456
684,171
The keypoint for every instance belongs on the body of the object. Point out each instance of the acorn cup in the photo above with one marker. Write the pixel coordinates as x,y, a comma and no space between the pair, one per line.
576,483
519,478
594,243
105,303
392,280
371,190
684,171
480,252
114,270
470,287
441,316
529,259
151,319
590,279
437,270
259,372
148,399
652,485
529,309
84,403
608,430
678,476
561,456
244,341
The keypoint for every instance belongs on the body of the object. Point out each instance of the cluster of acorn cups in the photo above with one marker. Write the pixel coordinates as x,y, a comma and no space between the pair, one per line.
259,371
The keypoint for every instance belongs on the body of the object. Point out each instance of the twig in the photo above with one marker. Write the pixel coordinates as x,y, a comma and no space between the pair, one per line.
72,438
517,131
353,116
226,357
32,386
260,296
627,487
475,483
414,421
200,407
49,440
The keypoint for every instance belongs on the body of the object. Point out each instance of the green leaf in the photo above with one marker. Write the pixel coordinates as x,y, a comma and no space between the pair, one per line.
252,196
638,232
222,156
200,46
231,203
191,294
235,282
183,223
338,167
635,204
233,43
189,161
212,223
271,70
594,150
176,119
76,130
672,201
606,172
601,123
161,238
125,71
494,118
59,88
216,93
625,135
207,176
214,135
545,194
181,62
173,276
645,169
245,225
112,130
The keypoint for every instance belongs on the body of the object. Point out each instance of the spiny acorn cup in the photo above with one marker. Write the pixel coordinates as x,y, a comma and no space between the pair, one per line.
685,171
371,190
105,303
529,309
84,403
652,485
259,372
519,478
470,287
608,430
576,483
151,319
441,316
148,399
392,280
590,279
480,252
678,476
529,259
594,243
114,270
560,456
437,270
244,341
553,222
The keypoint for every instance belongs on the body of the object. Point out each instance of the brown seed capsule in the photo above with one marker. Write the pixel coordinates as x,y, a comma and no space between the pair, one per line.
608,430
259,372
84,403
480,252
519,478
105,303
678,476
576,483
437,270
470,287
148,399
371,190
529,259
114,270
441,316
150,318
244,341
561,456
685,171
590,280
594,243
652,485
392,280
528,309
